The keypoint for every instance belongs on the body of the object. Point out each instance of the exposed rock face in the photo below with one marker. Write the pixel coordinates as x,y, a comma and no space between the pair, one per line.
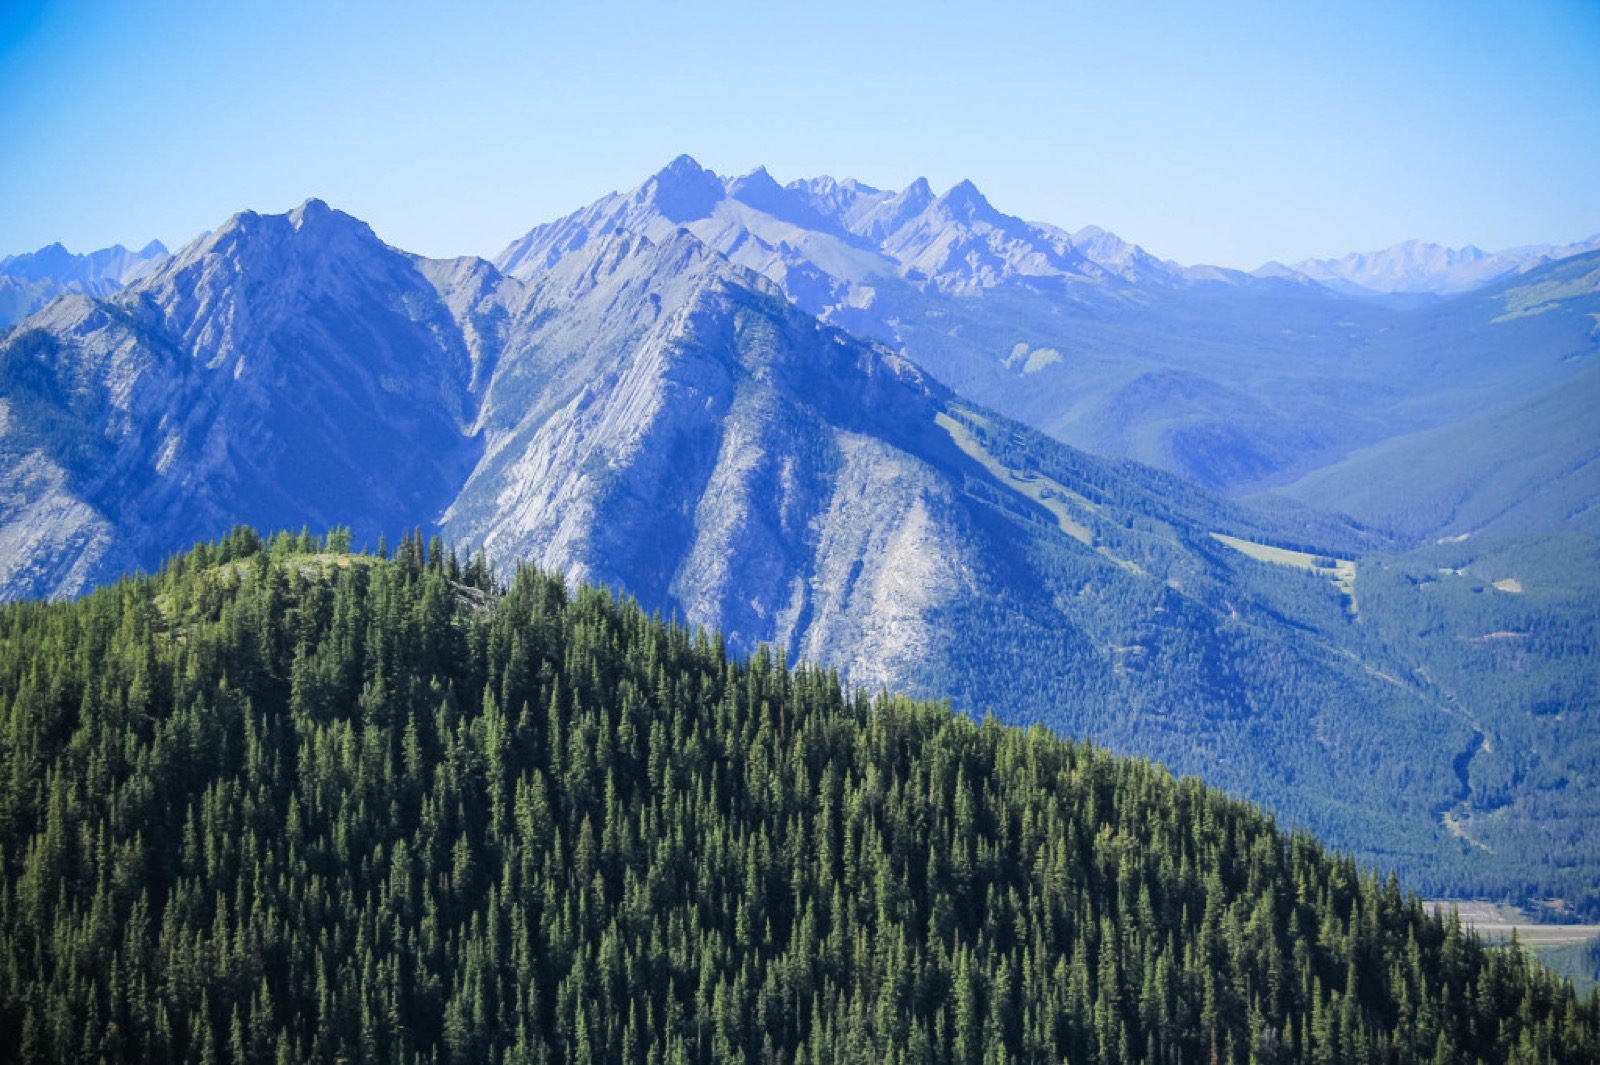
284,370
703,444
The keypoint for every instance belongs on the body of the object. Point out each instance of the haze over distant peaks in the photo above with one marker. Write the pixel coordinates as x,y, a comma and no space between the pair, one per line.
115,264
30,280
1419,267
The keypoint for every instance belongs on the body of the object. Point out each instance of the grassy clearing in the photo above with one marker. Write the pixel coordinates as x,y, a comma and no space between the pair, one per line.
1049,494
1546,295
1494,920
1563,947
1459,831
1052,495
1340,571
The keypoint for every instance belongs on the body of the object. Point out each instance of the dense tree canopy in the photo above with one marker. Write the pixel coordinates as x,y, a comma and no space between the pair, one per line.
283,803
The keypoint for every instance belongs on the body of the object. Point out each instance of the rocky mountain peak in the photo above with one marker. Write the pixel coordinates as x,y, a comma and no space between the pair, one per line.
683,190
48,261
312,233
890,214
312,212
760,190
964,201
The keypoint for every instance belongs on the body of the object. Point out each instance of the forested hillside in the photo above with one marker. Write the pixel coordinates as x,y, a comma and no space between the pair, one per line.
283,803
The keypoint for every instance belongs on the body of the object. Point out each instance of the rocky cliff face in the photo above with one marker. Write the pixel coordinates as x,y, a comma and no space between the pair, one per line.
667,423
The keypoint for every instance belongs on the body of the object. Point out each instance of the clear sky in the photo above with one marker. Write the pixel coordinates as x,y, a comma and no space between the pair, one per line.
1214,132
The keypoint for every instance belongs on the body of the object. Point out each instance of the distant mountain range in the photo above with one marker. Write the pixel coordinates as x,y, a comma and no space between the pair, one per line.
28,282
772,410
1240,383
1417,267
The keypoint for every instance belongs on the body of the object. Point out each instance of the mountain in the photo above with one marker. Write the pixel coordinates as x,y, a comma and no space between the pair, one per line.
1418,267
1531,468
282,370
1237,382
28,282
824,240
285,803
1504,463
640,410
114,266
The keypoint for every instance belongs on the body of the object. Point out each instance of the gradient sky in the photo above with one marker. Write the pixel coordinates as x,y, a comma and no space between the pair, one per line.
1216,132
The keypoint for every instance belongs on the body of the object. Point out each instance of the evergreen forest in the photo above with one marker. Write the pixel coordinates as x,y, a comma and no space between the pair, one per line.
282,802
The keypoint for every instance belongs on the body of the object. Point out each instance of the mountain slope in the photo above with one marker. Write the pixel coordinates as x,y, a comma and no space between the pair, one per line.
277,805
1529,469
283,370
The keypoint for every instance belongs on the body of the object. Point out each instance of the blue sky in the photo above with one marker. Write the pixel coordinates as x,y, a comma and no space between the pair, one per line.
1212,132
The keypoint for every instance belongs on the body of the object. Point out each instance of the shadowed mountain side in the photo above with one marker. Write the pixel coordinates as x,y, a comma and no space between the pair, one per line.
1531,468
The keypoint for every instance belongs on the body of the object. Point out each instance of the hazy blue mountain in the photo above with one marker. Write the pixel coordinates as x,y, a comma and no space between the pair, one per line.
28,282
824,240
1418,267
116,264
1514,438
1528,469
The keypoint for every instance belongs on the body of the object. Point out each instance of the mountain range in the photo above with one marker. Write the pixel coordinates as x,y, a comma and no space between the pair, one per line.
1239,383
1420,268
818,416
29,281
